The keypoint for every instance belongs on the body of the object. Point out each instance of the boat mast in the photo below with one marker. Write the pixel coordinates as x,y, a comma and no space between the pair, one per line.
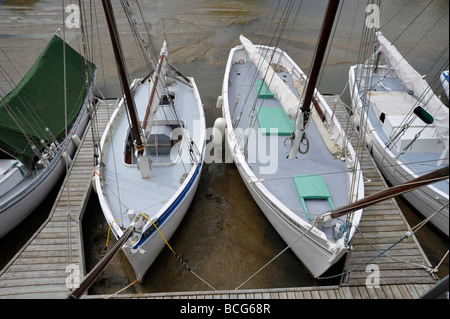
300,135
143,162
118,54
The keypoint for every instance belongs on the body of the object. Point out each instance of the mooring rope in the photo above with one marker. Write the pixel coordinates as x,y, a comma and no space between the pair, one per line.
408,234
278,255
177,256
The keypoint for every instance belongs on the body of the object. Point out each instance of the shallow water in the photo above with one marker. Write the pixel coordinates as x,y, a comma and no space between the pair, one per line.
224,237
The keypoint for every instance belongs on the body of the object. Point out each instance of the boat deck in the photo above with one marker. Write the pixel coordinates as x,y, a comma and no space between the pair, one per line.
42,268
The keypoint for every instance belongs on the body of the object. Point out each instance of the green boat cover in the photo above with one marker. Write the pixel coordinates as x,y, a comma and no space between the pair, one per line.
37,101
271,118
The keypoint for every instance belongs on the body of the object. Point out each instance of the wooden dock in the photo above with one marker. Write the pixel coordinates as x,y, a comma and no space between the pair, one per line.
50,263
381,226
45,265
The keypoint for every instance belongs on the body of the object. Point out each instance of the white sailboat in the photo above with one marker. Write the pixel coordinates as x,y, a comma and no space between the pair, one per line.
34,146
406,127
261,99
152,153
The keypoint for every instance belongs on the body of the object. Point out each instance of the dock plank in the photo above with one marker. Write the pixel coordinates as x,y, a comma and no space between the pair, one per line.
381,225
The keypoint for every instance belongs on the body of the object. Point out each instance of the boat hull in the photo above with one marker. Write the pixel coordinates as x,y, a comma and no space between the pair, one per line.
426,200
312,251
18,208
166,196
143,258
315,250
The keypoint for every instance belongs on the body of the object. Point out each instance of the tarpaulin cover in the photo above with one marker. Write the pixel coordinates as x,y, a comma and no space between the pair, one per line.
37,101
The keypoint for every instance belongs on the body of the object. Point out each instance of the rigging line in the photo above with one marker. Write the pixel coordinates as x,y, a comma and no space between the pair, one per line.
176,255
139,42
407,235
14,119
278,255
162,202
253,6
97,137
23,100
397,13
426,220
294,23
347,51
138,2
14,68
365,263
418,15
267,27
354,170
409,119
17,116
413,47
137,32
118,292
435,269
389,256
280,30
272,9
262,57
270,19
345,141
68,217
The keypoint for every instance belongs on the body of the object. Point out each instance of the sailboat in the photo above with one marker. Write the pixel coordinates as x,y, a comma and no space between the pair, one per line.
270,106
405,126
37,140
152,154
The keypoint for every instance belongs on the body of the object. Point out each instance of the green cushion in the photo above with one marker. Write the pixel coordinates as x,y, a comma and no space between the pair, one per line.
311,187
262,90
274,117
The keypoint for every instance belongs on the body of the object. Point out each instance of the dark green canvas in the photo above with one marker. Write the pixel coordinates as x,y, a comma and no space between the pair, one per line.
37,101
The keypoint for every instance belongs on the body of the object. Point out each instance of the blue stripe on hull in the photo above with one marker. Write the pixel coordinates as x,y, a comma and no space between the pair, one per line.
173,206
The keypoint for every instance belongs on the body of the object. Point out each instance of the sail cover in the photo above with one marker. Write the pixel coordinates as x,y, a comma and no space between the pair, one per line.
276,85
415,82
37,101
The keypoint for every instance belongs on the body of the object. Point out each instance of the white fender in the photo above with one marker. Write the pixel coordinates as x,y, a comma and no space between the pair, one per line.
76,140
219,131
66,158
219,102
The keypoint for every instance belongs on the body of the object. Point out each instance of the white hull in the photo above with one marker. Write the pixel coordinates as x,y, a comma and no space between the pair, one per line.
33,190
153,245
166,196
427,200
313,246
313,251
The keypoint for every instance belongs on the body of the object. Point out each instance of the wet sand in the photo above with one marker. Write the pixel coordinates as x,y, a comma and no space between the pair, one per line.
224,237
